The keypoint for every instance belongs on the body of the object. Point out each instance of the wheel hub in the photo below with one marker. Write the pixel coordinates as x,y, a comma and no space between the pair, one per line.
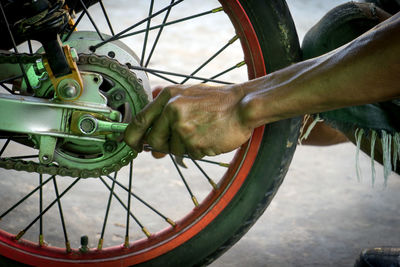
122,90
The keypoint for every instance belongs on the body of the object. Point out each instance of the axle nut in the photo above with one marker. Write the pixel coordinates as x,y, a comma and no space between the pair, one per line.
88,125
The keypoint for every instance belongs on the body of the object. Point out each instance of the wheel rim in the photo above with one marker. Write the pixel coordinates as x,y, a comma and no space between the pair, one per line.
190,225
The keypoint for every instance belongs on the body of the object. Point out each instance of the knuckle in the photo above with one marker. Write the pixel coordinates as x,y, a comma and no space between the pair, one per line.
140,120
131,137
172,90
172,109
129,141
186,130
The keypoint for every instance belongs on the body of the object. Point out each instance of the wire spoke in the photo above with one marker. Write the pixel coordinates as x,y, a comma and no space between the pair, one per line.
168,220
24,157
7,80
194,199
75,25
222,164
144,229
7,89
129,205
21,233
152,71
163,77
41,239
146,36
158,35
25,197
67,245
100,245
213,184
118,35
231,41
107,18
30,47
215,10
15,48
4,146
91,20
238,65
12,137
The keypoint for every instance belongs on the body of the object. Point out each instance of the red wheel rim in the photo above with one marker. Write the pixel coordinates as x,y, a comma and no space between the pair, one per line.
189,226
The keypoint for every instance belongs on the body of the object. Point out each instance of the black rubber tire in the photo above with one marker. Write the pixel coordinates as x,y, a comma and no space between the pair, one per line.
279,42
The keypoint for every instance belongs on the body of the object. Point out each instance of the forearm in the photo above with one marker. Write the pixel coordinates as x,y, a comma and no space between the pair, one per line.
365,71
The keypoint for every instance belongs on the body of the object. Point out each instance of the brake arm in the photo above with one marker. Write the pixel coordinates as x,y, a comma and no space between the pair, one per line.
67,87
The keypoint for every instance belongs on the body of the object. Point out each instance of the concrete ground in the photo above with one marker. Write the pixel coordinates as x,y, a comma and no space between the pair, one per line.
321,215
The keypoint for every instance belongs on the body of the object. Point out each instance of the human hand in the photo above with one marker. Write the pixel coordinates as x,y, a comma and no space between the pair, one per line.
199,120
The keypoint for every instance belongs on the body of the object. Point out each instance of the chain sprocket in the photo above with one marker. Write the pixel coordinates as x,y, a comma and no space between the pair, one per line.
54,169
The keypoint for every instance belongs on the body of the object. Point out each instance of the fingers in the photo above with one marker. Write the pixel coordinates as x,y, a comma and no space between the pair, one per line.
176,145
158,135
137,129
194,153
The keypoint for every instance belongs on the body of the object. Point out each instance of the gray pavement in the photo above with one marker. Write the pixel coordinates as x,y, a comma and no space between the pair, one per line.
321,215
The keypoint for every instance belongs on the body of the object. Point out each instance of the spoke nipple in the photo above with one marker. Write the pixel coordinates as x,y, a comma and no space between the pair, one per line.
196,203
84,244
126,243
100,245
41,240
171,222
240,64
231,41
20,234
68,247
224,164
146,232
218,9
214,185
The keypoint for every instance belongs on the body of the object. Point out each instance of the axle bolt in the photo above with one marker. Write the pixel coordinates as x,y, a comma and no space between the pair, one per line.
110,147
118,96
69,91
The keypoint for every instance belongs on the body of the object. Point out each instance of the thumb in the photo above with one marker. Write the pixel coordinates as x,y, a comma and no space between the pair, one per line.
143,120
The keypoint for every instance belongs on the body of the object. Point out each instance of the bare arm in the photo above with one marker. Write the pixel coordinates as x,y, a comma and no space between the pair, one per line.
364,71
207,120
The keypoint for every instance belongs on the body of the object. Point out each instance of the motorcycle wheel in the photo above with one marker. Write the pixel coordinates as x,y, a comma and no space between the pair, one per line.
269,42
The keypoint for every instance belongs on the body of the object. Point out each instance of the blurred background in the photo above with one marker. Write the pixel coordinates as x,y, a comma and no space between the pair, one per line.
321,216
